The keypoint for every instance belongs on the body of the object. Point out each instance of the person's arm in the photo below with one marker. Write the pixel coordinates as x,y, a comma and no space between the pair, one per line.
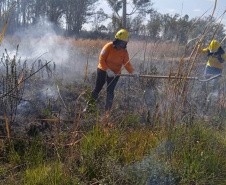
202,51
103,56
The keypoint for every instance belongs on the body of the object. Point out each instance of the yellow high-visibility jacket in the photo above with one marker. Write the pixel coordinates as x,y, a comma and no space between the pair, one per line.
111,58
213,60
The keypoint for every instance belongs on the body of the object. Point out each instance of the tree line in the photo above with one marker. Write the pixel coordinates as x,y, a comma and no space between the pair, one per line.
142,20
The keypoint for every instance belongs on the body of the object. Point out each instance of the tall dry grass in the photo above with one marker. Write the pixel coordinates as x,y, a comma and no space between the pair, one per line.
158,137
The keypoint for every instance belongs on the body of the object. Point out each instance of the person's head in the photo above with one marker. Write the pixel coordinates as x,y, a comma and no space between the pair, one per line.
214,46
121,39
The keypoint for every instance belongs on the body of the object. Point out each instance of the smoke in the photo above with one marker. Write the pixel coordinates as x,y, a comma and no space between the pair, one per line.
44,41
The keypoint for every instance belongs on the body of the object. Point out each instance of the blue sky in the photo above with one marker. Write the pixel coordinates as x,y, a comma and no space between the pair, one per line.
193,8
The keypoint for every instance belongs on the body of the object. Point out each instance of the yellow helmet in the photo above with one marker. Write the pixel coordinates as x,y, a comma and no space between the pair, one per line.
214,46
122,35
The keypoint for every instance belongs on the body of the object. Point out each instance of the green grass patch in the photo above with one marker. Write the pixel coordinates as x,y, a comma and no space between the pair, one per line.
121,155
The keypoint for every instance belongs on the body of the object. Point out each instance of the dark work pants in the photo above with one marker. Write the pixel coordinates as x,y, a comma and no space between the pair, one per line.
211,71
111,83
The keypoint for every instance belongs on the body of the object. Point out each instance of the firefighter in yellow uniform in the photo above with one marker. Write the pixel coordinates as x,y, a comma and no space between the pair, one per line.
112,58
216,58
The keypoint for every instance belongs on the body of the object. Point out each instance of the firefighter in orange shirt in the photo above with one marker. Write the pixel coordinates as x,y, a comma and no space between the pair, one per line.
112,58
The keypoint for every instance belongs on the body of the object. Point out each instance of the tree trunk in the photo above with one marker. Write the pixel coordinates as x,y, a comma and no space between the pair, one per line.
124,15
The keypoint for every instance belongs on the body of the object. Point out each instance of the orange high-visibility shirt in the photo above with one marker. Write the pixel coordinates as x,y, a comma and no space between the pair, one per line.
111,58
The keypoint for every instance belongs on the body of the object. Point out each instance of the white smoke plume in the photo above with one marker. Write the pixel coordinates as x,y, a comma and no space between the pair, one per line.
44,41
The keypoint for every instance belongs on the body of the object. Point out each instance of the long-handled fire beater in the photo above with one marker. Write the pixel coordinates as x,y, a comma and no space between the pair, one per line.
174,77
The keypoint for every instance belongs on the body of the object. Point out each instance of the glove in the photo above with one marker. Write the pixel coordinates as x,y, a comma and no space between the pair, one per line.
110,73
136,74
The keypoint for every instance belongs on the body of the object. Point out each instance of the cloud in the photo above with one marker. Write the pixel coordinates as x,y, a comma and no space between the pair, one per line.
171,10
196,10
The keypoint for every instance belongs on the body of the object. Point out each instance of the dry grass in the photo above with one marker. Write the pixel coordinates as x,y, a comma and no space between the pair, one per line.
157,134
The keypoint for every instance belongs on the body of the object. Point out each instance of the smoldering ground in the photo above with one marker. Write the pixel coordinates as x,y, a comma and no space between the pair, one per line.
42,43
38,44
